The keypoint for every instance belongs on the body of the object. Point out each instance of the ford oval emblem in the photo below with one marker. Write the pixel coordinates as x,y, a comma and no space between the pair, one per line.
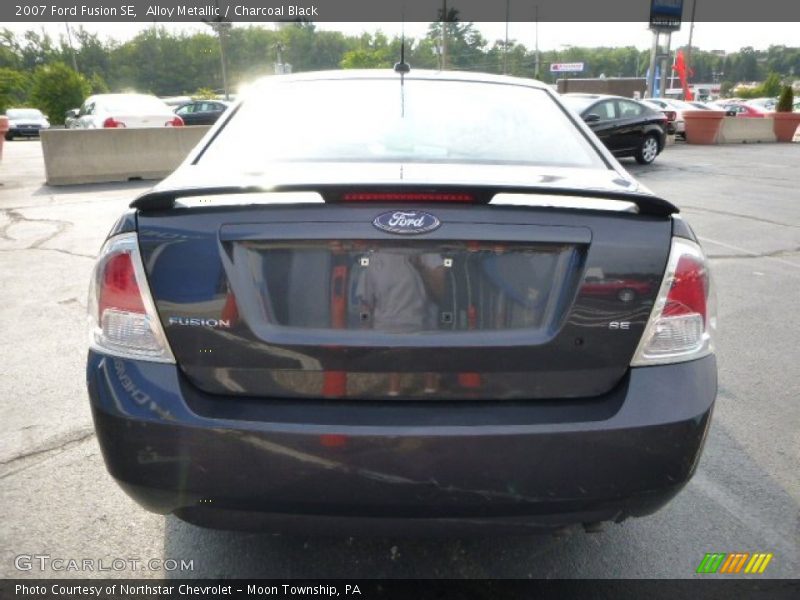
406,222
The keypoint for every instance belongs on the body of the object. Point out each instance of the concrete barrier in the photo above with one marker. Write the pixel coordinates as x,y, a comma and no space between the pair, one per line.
746,130
73,156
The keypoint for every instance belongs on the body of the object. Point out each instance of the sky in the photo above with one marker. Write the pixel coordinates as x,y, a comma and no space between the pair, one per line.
552,36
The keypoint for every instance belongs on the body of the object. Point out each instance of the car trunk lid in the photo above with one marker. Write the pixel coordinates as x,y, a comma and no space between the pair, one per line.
317,301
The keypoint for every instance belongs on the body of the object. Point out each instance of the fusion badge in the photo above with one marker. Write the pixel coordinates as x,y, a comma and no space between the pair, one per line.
193,322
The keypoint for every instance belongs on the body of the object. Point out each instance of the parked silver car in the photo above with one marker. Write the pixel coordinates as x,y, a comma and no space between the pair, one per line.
25,122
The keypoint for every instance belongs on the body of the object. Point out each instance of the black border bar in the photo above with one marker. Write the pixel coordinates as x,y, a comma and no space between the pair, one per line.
187,11
391,589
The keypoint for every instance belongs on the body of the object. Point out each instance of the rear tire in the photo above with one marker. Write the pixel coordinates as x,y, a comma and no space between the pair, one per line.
647,151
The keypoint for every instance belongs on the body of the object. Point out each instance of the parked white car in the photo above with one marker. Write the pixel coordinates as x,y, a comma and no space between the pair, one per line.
764,104
125,110
678,106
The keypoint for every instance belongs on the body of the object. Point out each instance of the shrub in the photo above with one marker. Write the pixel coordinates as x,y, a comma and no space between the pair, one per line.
13,89
786,101
56,88
204,94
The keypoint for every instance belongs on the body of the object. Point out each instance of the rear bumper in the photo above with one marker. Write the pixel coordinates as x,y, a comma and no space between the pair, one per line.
271,463
24,131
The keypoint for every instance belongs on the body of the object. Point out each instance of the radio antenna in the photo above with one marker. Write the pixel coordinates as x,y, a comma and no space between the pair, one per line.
402,67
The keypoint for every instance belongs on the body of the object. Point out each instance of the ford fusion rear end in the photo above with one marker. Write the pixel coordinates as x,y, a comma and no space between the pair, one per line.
429,321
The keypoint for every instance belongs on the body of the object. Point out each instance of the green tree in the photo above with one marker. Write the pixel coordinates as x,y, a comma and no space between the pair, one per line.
726,87
38,49
97,84
772,86
168,62
9,50
92,54
56,88
769,88
364,59
465,46
13,88
204,94
374,52
746,65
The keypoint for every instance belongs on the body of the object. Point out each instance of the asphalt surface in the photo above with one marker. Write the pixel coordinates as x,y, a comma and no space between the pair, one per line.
57,499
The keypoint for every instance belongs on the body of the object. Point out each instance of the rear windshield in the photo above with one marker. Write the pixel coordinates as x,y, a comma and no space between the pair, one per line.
133,104
377,120
24,113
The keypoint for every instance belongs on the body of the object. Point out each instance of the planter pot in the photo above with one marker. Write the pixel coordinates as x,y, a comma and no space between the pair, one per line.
702,126
3,129
785,124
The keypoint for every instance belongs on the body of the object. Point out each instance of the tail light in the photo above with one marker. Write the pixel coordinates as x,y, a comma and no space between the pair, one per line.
683,319
122,316
671,115
112,123
176,121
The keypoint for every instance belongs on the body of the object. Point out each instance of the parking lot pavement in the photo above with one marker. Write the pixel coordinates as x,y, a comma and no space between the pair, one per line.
58,500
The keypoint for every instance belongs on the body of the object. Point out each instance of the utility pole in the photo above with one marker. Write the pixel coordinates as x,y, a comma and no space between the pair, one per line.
71,49
444,35
221,27
281,67
536,42
505,45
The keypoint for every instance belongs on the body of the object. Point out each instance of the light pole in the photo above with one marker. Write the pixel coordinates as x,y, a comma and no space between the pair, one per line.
689,48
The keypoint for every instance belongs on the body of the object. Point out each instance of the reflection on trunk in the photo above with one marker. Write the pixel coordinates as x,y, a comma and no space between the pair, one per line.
405,287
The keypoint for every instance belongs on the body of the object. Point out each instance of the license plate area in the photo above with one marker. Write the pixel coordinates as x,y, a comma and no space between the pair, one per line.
363,290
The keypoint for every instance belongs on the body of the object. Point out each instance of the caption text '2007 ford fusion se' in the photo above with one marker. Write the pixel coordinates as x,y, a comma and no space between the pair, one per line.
409,300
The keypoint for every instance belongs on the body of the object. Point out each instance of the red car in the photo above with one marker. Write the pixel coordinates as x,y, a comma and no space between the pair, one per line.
626,290
744,110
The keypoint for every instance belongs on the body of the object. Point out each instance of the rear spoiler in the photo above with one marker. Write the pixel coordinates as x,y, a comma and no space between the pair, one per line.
647,204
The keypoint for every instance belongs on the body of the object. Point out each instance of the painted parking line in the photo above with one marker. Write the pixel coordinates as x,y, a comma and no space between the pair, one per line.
748,252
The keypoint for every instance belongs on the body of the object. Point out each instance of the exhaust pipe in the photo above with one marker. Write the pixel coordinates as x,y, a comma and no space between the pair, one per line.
595,527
